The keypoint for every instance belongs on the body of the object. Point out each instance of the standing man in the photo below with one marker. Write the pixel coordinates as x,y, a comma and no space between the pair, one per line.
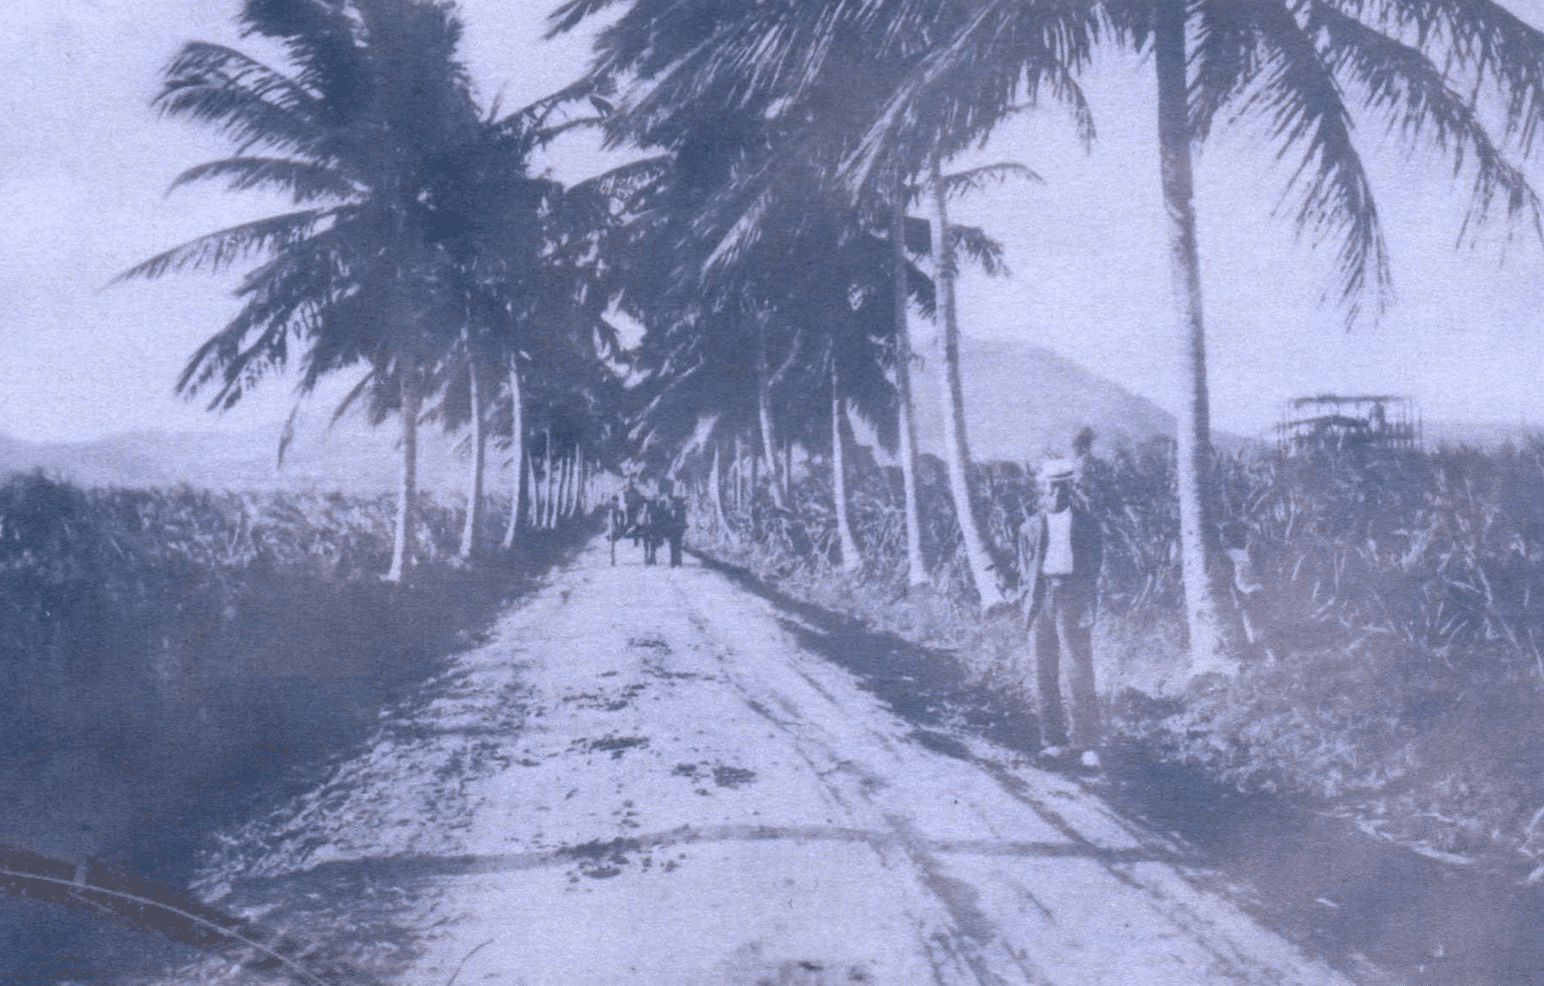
675,524
650,517
632,504
1061,549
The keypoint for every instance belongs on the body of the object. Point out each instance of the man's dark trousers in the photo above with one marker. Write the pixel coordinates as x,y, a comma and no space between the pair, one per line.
1064,618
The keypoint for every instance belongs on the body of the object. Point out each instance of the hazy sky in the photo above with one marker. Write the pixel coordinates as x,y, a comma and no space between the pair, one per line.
84,164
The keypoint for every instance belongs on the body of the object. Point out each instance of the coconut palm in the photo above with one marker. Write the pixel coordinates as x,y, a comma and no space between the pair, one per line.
732,70
1430,69
359,130
518,253
1411,63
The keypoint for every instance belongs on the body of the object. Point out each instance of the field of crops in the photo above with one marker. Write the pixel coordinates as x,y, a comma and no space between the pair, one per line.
1398,680
170,657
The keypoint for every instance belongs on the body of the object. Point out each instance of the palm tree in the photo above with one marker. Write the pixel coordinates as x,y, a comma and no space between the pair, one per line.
517,250
742,71
360,131
1406,61
916,565
1431,69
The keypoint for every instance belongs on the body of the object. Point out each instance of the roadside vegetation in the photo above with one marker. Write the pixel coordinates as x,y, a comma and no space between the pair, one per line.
172,658
1398,680
766,257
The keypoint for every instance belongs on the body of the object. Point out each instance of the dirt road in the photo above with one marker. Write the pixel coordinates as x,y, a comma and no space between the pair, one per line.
641,778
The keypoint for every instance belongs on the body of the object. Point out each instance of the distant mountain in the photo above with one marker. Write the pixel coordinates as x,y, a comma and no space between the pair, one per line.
349,456
1024,403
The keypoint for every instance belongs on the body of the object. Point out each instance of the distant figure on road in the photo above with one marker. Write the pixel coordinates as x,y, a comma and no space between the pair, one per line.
633,502
1061,550
650,527
616,524
673,523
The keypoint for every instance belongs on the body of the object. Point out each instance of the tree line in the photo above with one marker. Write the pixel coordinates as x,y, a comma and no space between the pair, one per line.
786,218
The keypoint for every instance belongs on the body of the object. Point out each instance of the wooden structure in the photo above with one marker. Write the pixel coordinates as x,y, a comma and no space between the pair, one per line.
1332,422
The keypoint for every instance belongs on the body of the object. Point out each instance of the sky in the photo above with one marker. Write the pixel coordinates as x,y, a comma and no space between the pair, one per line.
85,163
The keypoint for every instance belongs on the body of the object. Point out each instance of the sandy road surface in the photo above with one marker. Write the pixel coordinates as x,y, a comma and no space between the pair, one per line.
641,778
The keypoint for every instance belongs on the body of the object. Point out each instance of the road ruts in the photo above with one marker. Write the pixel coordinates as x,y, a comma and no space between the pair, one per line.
672,791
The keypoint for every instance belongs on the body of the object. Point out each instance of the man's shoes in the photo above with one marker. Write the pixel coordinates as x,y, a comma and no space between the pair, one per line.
1055,757
1069,758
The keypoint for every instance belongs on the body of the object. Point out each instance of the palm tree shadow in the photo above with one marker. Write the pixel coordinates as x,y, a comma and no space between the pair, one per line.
1350,899
925,686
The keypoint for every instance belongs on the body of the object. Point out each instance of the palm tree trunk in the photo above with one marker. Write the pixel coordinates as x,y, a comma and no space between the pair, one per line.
753,480
739,472
570,484
852,561
549,496
560,499
1203,590
517,452
916,567
716,484
956,447
479,461
407,490
764,412
534,489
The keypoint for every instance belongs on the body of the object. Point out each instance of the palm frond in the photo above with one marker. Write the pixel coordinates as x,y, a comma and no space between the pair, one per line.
366,383
1298,95
1224,61
282,299
218,251
988,175
569,15
743,234
250,103
306,181
1401,83
974,243
624,182
949,100
1493,46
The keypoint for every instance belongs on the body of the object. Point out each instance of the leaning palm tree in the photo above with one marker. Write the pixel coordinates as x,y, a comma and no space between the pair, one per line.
361,130
742,73
1432,70
516,249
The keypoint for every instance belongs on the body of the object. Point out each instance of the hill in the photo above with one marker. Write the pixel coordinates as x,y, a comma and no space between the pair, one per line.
350,456
1024,402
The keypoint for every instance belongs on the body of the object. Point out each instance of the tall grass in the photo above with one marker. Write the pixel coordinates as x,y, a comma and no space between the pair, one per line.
1398,676
167,655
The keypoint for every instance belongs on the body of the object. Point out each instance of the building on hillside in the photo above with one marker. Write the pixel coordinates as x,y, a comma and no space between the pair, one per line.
1332,422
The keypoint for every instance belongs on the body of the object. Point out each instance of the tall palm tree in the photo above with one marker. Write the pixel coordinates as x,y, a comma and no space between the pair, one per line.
1409,62
517,250
1432,70
359,130
710,67
916,565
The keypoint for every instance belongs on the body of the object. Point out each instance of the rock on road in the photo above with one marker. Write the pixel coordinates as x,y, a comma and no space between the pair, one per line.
641,778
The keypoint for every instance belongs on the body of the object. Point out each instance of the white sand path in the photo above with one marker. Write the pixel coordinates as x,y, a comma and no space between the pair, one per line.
642,778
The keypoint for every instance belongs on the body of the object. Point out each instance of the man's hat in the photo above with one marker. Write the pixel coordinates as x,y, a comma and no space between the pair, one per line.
1058,470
